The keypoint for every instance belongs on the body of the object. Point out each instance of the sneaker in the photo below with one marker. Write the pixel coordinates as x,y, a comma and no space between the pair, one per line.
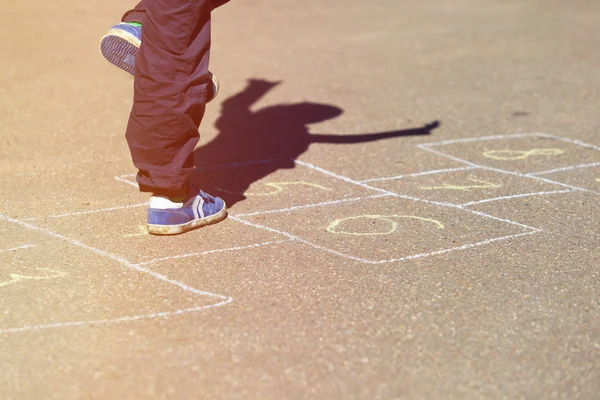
120,45
166,217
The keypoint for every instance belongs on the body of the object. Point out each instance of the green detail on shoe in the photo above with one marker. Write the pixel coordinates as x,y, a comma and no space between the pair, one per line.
133,23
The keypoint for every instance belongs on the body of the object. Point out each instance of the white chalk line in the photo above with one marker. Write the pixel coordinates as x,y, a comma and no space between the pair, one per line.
92,211
568,140
121,178
463,247
202,253
227,300
445,155
436,171
514,196
443,204
325,203
596,164
26,246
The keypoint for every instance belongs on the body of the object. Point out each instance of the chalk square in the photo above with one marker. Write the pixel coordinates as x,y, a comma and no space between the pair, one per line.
465,186
585,176
527,153
388,229
58,284
123,232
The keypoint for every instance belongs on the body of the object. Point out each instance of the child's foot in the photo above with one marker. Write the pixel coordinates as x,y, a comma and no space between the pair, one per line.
166,217
120,45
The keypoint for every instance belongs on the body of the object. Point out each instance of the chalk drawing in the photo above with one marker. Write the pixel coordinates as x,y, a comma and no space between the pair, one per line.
335,226
276,188
506,155
447,186
141,231
17,278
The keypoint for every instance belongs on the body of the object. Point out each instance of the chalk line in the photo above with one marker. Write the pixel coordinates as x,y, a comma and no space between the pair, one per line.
121,178
448,156
437,171
97,210
463,247
596,164
227,300
325,203
568,140
26,246
515,196
202,253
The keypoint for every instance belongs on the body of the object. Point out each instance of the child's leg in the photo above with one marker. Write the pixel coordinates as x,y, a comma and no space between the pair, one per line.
171,87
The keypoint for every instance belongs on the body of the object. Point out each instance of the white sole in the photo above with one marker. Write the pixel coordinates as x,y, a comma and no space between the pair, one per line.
162,230
124,35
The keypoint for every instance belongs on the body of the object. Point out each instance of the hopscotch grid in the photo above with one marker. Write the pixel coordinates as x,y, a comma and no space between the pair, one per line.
432,172
123,262
291,237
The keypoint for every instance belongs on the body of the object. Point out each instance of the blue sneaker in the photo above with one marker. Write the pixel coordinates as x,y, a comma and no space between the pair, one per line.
120,45
166,217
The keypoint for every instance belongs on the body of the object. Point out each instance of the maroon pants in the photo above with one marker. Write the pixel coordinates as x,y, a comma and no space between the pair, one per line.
171,86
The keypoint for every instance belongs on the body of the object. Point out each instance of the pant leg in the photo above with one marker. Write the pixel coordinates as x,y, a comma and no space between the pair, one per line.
171,86
139,12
